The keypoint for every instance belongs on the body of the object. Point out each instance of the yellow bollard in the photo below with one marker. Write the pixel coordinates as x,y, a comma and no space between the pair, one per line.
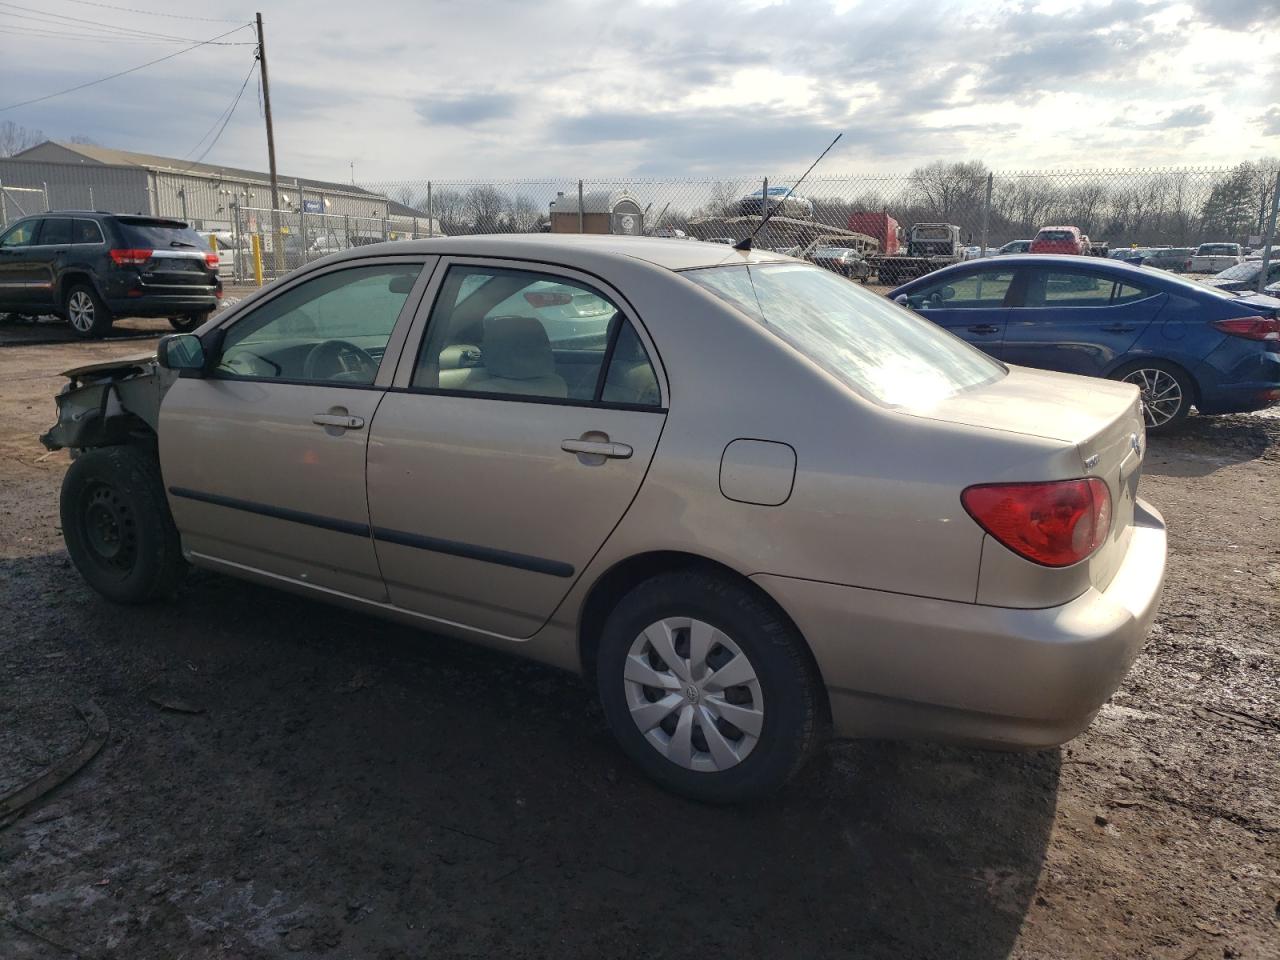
213,242
257,259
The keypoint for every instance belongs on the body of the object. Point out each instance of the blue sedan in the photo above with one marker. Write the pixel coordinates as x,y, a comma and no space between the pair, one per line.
1182,343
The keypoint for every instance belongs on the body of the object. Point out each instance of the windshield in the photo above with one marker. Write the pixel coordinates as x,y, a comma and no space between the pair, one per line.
1218,250
881,350
1055,235
1241,271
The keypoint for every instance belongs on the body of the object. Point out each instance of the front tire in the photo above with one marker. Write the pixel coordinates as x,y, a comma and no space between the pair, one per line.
708,687
1167,392
188,322
117,526
85,312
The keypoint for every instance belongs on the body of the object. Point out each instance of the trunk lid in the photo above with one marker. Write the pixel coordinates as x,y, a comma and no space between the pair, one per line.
1101,418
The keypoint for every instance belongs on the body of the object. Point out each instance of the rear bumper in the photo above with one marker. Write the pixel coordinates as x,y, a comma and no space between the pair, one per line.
164,305
901,666
1254,376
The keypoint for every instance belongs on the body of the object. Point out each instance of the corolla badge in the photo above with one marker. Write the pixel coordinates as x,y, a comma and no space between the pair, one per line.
1135,441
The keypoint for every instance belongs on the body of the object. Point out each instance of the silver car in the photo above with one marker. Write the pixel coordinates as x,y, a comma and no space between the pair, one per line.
760,505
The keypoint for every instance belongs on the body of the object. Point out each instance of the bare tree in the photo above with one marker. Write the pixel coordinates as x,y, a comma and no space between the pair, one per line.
15,138
525,215
484,206
950,192
447,208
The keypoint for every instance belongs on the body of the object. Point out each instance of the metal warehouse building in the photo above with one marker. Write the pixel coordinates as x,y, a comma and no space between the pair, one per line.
62,176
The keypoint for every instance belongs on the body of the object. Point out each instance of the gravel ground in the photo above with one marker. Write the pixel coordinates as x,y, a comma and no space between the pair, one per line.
282,778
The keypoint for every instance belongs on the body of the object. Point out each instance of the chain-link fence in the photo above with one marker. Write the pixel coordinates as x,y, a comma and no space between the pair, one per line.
882,228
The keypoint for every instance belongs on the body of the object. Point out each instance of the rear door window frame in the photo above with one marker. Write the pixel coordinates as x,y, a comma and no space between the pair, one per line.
419,331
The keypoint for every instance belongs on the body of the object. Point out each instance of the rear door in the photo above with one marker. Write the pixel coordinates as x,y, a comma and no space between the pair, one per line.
23,282
971,304
1076,320
513,441
264,459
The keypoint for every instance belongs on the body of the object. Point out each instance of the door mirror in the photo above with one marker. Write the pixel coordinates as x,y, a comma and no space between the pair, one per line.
181,351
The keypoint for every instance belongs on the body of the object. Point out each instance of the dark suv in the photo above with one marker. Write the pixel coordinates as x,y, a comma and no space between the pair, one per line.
87,267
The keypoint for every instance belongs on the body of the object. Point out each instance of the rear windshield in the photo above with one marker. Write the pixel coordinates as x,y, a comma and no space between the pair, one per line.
1055,235
160,234
1218,249
881,350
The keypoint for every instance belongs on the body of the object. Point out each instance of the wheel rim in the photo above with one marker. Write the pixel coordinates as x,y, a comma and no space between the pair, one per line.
693,694
80,311
109,530
1161,395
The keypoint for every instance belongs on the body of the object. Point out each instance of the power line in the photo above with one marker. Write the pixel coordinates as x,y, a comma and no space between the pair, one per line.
152,13
60,20
142,66
225,117
21,30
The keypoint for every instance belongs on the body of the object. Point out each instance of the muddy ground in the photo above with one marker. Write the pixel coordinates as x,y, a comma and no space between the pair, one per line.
347,788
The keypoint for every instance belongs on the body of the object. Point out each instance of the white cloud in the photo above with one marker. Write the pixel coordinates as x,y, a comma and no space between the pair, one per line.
519,88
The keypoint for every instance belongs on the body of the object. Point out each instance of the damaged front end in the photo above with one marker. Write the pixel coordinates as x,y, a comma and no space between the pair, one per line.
109,403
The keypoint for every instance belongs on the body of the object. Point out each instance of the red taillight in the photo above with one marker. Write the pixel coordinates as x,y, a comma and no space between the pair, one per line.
1251,328
1055,524
130,258
211,259
549,299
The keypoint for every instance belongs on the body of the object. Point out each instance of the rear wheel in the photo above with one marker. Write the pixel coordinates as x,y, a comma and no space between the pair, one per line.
188,322
85,312
1167,392
117,525
708,688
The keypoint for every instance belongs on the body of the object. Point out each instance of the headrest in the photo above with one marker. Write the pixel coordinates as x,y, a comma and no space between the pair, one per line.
517,348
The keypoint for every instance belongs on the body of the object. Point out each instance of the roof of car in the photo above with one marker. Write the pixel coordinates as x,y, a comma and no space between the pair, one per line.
671,254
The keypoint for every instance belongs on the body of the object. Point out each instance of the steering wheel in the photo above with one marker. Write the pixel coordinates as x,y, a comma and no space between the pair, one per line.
339,360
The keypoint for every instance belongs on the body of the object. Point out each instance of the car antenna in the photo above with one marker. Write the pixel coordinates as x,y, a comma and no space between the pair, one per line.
764,200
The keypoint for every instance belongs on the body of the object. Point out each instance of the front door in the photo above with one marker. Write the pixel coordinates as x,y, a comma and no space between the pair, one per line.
23,282
971,304
264,458
1076,320
514,442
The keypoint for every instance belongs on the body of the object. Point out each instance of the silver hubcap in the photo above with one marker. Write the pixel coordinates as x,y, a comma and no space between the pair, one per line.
80,311
1161,395
694,694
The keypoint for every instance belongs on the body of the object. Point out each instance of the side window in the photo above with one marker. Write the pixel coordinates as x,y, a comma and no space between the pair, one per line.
85,231
20,235
631,378
332,328
980,290
1064,288
56,231
500,331
1128,293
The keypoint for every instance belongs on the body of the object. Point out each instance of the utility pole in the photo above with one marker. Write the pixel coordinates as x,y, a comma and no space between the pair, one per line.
276,245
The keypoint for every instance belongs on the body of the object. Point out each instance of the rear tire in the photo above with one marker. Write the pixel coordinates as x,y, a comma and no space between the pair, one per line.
85,312
188,322
1167,392
731,710
117,526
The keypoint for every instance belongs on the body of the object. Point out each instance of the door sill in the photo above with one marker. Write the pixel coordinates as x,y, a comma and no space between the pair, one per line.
389,609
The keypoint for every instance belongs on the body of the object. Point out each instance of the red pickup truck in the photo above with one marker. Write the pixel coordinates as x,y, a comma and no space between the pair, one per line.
1061,240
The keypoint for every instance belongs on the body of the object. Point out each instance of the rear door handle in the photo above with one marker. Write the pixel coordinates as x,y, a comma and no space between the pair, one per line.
599,448
338,420
1118,328
984,328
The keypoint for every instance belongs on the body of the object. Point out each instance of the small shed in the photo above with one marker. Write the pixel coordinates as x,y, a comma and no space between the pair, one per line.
603,211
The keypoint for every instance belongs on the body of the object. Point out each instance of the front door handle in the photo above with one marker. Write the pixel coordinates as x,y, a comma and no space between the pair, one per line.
338,420
1118,328
984,328
597,448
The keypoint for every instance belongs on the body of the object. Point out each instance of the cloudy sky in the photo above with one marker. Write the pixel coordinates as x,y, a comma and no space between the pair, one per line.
567,88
